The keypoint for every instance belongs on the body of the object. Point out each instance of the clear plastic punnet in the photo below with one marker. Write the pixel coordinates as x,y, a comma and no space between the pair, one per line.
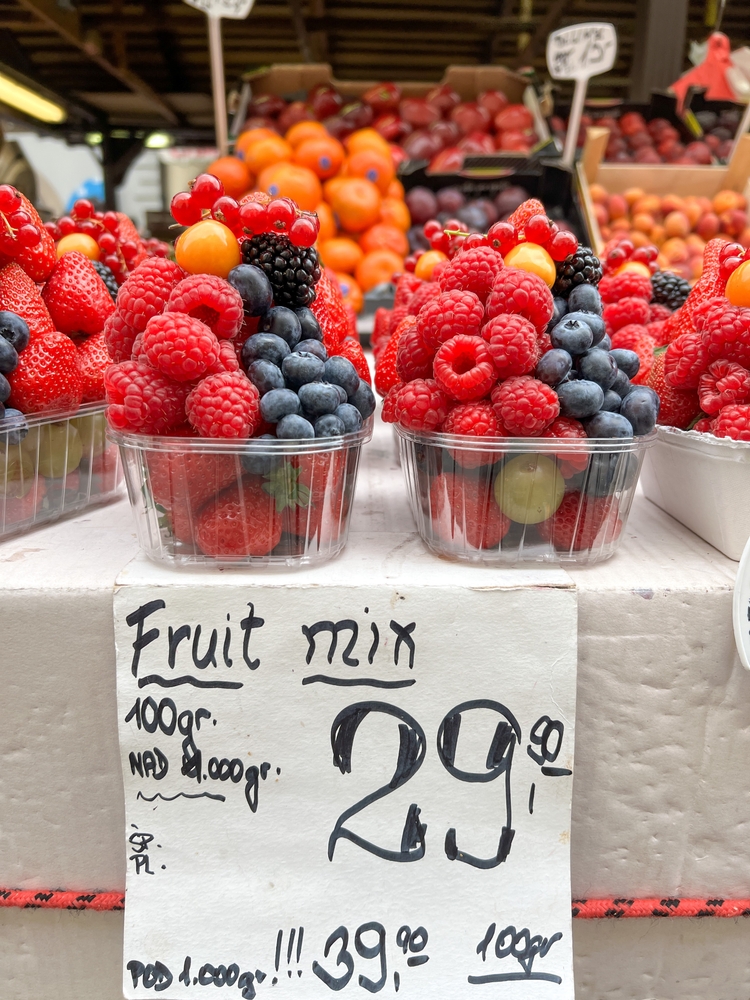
257,502
58,464
515,500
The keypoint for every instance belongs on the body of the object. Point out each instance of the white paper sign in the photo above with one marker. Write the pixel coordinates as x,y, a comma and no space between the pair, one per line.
581,51
347,790
236,9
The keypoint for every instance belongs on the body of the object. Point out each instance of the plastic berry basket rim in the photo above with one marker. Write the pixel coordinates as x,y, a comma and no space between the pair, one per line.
57,416
525,445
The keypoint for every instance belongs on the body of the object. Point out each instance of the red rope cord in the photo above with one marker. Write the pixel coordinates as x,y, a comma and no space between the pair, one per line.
583,909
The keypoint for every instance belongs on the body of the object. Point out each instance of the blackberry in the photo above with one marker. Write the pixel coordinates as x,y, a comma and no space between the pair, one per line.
292,271
580,268
670,289
107,277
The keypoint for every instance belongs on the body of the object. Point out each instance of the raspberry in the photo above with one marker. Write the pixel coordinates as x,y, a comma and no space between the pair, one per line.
47,376
211,300
569,429
733,422
543,343
352,351
704,426
389,413
386,375
475,419
241,521
143,400
472,270
656,312
224,406
413,357
450,314
119,337
227,360
525,212
525,406
406,286
725,331
628,336
426,292
657,331
685,361
578,521
463,508
624,312
678,407
523,293
422,405
147,290
724,383
179,346
614,287
513,344
93,361
397,316
463,367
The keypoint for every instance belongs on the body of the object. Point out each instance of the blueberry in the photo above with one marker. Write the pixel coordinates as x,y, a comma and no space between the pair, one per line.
13,426
342,372
14,330
610,473
350,417
611,402
299,369
609,425
553,366
560,307
343,398
4,389
593,322
312,347
605,344
264,347
318,398
294,426
260,463
572,335
328,426
598,366
284,323
265,376
621,385
364,399
585,298
254,288
627,361
310,326
8,357
580,399
641,407
279,403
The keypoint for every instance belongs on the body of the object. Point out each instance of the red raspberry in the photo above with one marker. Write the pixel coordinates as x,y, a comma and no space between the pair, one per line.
624,312
227,360
678,407
413,357
224,406
525,406
422,405
472,271
93,361
704,426
475,419
352,351
724,383
685,361
179,346
523,293
733,422
119,337
47,376
389,413
513,344
386,375
656,312
580,521
210,299
241,521
525,212
147,290
543,343
725,331
426,292
406,286
614,287
397,316
463,367
628,336
450,314
657,331
568,429
464,510
142,399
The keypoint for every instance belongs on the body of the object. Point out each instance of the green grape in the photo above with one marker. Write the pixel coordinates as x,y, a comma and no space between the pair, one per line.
56,448
529,488
93,432
16,472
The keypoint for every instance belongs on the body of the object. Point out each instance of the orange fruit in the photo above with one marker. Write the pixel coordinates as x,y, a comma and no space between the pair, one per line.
81,242
331,187
323,156
233,174
351,291
327,222
393,212
427,263
382,236
533,258
246,139
208,247
373,165
674,250
340,254
738,285
303,131
367,138
644,222
599,194
726,200
377,268
649,204
287,180
632,195
356,202
267,152
396,189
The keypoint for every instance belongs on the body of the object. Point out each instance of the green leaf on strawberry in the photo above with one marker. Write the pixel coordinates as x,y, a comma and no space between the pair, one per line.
284,486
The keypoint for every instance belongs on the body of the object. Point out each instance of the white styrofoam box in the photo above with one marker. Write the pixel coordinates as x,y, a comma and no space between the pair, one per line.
704,482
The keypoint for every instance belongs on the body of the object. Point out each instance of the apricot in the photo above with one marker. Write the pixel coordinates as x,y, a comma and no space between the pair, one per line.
693,211
644,222
617,206
675,250
663,263
632,195
695,244
744,237
705,203
672,203
649,204
622,224
598,193
708,225
601,214
639,239
725,201
696,268
658,235
677,224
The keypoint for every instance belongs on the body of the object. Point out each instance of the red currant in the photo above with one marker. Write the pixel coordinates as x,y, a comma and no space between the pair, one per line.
226,210
475,240
19,218
627,247
254,218
107,242
66,225
205,190
538,230
641,255
729,265
731,250
502,237
184,210
28,236
440,241
410,262
281,214
9,198
89,227
456,244
111,222
454,225
113,262
303,233
431,228
83,209
129,251
562,245
53,229
8,243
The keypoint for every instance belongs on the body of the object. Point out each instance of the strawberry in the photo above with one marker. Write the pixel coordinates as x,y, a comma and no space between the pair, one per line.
19,294
352,351
93,361
526,211
386,374
241,521
77,298
329,310
127,233
182,482
678,407
47,377
37,261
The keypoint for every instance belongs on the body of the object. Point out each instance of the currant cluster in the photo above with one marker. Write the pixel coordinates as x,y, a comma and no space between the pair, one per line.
450,237
18,230
254,215
731,256
619,252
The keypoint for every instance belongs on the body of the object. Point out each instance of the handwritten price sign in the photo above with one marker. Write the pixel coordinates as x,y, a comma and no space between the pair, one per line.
235,9
581,51
345,790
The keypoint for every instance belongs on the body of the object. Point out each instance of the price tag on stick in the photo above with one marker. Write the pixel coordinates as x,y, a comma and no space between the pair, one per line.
578,53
